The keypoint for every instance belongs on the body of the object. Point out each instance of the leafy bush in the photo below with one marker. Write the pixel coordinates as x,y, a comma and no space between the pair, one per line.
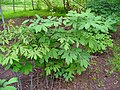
104,6
61,46
4,85
93,31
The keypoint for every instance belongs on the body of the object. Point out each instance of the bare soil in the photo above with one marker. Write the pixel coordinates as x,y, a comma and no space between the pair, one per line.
96,77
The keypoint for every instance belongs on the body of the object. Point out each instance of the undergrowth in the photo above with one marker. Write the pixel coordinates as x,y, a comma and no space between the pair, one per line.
28,13
115,60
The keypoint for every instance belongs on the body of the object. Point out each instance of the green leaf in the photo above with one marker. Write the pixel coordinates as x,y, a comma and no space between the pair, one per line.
65,55
87,25
37,16
2,81
8,88
12,80
61,40
68,60
24,22
66,46
84,63
38,28
56,68
54,52
77,44
60,52
79,71
6,41
15,69
85,55
5,61
42,39
2,49
91,44
88,10
28,68
1,58
73,56
83,41
45,28
7,67
48,72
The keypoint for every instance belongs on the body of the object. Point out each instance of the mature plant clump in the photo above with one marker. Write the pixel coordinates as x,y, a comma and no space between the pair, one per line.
61,46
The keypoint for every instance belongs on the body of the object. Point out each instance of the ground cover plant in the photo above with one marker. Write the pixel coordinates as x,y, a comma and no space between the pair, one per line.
5,85
115,60
60,46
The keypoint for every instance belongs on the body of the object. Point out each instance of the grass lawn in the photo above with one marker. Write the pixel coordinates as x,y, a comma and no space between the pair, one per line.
28,13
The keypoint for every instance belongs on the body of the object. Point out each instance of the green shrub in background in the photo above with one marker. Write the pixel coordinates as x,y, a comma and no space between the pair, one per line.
104,6
61,46
57,10
5,85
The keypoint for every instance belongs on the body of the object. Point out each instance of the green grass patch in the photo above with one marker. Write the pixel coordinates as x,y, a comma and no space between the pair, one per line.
115,60
17,14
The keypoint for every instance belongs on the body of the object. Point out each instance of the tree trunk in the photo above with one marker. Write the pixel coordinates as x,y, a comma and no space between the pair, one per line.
68,5
33,5
48,3
14,5
2,17
64,4
25,5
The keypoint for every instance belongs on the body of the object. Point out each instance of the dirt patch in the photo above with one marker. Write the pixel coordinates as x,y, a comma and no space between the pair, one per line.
97,77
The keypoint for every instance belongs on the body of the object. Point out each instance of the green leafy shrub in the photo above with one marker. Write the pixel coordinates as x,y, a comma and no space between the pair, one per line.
61,46
104,6
58,9
92,31
5,85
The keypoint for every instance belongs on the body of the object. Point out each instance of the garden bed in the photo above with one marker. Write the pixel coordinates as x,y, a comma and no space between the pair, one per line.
97,76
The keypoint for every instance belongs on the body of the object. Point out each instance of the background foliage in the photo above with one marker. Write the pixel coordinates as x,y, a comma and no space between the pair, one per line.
104,6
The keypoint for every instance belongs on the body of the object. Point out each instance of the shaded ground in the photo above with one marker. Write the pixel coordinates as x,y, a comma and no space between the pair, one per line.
97,76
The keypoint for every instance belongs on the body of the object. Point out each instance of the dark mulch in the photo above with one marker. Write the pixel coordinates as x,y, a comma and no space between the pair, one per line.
96,77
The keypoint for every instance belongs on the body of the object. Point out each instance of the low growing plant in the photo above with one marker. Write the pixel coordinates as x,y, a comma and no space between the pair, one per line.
115,60
61,46
5,85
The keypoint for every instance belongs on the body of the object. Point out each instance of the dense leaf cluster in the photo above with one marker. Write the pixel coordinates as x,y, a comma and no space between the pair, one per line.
61,46
104,6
